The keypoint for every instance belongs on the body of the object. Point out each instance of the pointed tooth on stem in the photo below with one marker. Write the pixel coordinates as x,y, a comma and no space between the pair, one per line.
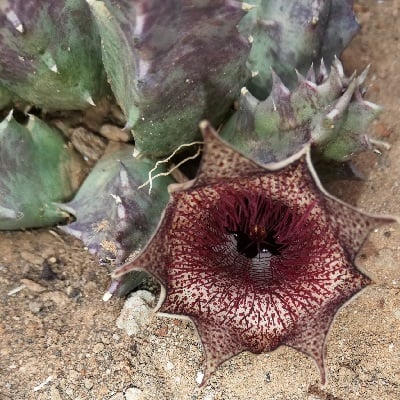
10,115
363,76
246,6
89,100
54,68
310,75
323,72
338,66
15,21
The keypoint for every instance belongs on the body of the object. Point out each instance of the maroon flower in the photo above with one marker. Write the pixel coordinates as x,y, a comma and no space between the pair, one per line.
256,256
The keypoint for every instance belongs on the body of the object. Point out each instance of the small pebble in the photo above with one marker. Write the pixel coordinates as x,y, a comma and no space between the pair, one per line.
34,307
116,337
114,133
88,383
87,143
199,377
134,394
52,260
137,312
98,348
105,340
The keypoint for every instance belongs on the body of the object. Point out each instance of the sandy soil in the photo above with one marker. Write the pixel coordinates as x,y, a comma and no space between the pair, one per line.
59,340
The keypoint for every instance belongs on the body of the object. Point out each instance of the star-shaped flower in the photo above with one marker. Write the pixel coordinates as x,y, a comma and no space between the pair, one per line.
256,256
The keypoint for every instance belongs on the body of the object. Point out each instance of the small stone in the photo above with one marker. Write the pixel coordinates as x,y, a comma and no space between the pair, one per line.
137,312
87,143
116,337
114,133
105,340
199,377
88,383
34,307
98,348
134,394
51,260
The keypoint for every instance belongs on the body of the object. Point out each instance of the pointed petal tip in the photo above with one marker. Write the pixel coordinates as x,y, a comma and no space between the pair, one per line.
107,296
206,129
200,378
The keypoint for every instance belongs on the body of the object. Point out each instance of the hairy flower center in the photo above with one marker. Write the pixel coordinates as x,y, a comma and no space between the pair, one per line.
258,240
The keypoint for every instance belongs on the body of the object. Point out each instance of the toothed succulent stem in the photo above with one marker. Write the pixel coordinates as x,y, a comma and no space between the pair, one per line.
50,53
331,114
182,61
37,171
288,35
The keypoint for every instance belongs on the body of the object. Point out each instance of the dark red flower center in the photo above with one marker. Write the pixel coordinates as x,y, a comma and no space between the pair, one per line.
254,236
259,238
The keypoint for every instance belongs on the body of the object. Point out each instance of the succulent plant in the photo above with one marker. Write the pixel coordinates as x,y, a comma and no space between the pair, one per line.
50,53
182,61
326,109
125,214
253,249
288,35
256,256
37,171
